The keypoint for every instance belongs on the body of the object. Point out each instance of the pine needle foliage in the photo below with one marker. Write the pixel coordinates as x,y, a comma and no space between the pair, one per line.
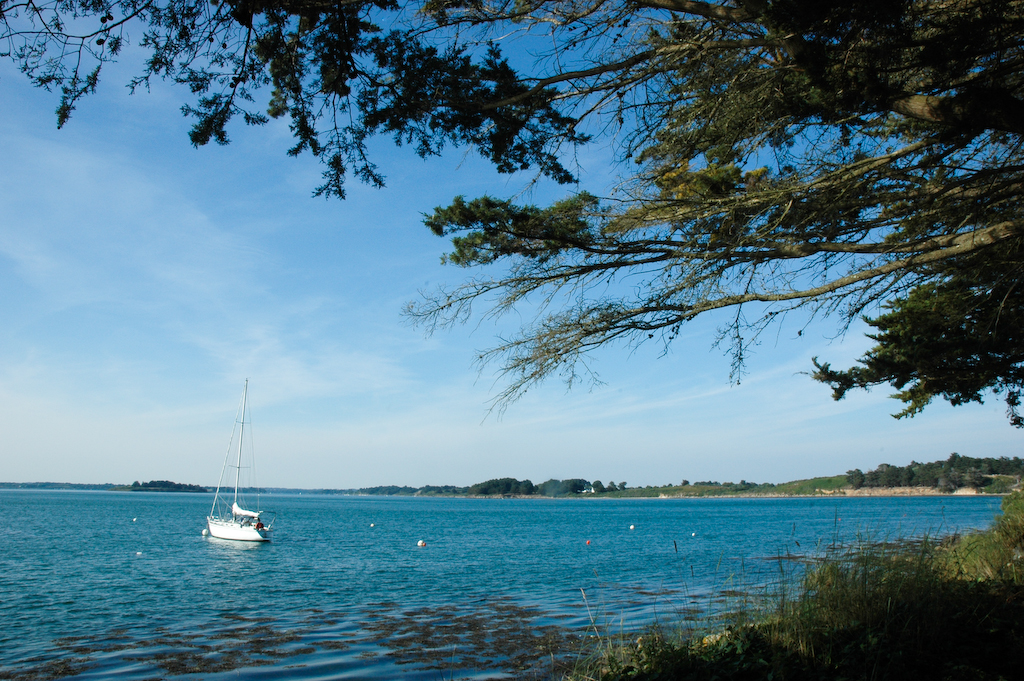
774,156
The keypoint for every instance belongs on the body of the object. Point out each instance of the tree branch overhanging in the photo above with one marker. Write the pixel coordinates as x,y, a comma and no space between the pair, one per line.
774,155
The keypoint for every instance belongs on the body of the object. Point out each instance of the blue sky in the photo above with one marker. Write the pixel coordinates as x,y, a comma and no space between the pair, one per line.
143,280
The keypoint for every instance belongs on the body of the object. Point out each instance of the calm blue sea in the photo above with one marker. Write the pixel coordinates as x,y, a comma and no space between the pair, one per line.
122,585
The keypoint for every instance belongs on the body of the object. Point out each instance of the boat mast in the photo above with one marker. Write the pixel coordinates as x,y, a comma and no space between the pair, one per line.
241,433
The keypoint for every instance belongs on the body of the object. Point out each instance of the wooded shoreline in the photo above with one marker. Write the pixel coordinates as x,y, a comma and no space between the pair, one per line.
956,476
628,494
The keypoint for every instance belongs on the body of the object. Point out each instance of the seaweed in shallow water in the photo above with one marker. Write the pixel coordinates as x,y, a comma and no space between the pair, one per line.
493,636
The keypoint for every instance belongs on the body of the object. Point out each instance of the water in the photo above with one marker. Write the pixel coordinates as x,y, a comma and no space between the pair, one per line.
107,584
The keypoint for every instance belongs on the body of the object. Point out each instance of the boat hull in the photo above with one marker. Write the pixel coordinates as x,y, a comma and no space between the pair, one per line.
236,531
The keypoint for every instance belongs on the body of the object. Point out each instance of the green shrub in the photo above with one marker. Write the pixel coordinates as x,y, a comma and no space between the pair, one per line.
1010,530
997,554
1000,484
875,613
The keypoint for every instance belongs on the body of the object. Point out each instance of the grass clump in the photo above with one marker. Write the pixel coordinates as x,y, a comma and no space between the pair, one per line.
948,612
813,486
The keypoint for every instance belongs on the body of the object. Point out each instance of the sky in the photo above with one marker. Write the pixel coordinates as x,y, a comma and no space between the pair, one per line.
142,281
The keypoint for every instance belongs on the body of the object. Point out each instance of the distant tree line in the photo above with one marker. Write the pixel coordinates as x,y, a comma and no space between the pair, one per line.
953,473
58,485
600,488
389,490
406,491
162,486
501,487
438,490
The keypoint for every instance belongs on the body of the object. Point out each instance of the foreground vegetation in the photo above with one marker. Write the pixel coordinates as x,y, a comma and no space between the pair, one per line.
948,611
764,157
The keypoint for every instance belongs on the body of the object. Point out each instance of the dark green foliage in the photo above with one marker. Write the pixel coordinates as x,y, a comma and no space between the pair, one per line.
889,476
498,486
550,488
329,68
955,472
775,155
502,486
457,91
833,156
389,490
159,486
855,478
441,490
866,56
574,485
494,229
561,488
955,338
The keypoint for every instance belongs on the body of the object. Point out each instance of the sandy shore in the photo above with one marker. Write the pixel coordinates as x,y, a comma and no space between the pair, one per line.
846,492
902,492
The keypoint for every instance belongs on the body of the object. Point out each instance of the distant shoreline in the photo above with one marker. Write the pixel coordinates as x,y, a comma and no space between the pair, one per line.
637,493
956,476
862,492
846,493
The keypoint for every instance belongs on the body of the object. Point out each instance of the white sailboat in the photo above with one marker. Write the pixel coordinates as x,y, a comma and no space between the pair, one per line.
232,520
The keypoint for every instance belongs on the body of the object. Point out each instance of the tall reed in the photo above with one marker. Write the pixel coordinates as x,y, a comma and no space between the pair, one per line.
948,611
